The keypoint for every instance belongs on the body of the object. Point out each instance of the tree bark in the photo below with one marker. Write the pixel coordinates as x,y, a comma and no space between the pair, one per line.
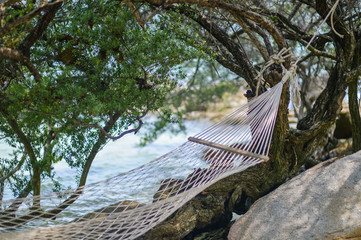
352,95
35,178
355,115
95,149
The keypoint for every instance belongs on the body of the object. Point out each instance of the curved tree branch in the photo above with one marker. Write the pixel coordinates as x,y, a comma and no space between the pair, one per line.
265,24
263,34
135,13
14,170
329,101
262,49
23,138
316,52
237,51
13,23
29,150
41,26
235,10
18,56
302,136
105,132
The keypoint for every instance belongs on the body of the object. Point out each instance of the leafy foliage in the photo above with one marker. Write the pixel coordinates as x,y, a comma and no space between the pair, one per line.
101,74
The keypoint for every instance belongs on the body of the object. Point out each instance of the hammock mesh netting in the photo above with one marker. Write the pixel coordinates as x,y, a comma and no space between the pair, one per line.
108,210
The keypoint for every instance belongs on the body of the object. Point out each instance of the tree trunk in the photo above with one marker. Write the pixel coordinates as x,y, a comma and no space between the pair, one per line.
35,178
355,115
36,183
95,149
352,96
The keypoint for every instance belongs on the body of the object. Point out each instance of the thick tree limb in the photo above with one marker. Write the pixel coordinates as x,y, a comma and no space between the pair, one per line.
263,34
228,63
41,26
135,13
235,10
27,17
237,51
223,56
18,56
265,24
262,49
329,101
286,22
30,152
355,115
295,33
353,78
23,138
301,136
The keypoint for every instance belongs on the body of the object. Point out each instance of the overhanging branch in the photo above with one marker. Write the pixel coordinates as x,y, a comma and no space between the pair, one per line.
14,170
263,34
41,26
16,55
23,138
316,52
237,51
103,131
27,17
235,10
262,49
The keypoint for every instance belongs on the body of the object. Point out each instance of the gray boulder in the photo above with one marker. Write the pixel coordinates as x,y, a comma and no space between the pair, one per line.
323,202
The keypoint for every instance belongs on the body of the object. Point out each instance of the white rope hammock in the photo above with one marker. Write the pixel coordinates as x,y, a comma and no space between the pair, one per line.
159,188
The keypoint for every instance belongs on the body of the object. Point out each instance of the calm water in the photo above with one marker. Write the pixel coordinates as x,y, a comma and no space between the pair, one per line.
119,156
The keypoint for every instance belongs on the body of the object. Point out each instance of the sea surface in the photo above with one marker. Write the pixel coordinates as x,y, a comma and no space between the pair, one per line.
118,156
